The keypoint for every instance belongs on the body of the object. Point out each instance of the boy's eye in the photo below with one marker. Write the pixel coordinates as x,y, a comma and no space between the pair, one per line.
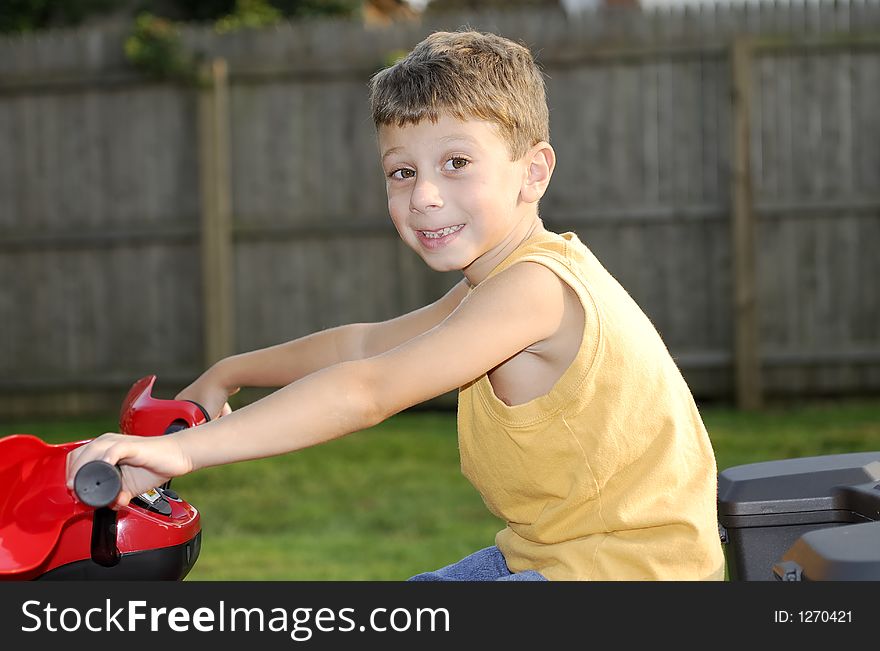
402,173
456,163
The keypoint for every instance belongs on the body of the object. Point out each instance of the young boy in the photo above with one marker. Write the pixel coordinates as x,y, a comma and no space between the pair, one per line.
575,424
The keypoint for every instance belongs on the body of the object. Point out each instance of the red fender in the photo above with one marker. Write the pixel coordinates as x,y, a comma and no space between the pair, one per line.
144,415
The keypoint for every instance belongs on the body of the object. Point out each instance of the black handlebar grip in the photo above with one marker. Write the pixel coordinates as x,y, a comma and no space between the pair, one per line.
97,483
178,425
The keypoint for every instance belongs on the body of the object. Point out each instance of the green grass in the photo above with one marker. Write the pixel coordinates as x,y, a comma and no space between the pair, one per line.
389,502
808,429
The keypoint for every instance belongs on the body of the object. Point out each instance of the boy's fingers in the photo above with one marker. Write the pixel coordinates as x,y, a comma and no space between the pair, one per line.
122,500
116,453
78,457
74,463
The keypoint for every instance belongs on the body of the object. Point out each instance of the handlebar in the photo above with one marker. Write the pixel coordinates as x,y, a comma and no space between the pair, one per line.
98,483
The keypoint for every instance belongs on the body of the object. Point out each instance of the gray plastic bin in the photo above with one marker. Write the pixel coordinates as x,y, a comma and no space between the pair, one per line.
765,508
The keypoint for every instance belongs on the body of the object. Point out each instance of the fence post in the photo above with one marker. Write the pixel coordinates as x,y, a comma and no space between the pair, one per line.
216,212
747,363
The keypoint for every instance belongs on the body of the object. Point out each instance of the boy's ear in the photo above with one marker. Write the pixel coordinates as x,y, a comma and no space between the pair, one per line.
540,161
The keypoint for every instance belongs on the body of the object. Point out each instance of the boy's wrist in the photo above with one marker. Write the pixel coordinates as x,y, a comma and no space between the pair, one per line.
222,374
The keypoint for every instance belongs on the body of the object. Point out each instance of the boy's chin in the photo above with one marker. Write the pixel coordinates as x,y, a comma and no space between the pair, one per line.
438,264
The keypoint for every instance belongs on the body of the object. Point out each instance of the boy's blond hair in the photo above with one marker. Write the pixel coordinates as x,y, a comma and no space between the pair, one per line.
469,75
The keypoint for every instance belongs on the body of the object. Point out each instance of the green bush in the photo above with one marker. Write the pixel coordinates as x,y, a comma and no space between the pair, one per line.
155,48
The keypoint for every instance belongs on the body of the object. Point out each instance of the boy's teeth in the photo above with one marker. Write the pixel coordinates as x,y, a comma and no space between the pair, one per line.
441,233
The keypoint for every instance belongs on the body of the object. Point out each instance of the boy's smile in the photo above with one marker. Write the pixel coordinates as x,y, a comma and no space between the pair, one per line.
454,195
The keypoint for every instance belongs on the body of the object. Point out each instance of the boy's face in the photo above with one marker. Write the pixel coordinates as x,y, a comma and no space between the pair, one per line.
453,192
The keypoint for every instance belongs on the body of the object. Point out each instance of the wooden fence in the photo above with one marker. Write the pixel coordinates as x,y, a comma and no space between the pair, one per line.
724,164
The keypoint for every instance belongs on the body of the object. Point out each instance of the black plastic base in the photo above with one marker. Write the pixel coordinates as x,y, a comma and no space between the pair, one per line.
165,564
840,554
752,551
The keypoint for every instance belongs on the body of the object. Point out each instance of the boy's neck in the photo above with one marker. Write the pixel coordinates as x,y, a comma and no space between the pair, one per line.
480,268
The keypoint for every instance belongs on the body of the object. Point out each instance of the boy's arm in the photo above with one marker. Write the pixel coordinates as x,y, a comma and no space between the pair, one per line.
378,338
282,364
504,315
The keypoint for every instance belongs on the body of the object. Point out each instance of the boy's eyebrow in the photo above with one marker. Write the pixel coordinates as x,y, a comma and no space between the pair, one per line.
391,151
444,140
459,136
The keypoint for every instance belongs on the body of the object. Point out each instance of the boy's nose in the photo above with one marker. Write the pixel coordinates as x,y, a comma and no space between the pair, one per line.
425,196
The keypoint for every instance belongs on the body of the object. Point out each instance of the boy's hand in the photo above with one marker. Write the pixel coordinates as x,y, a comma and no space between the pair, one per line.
210,394
145,462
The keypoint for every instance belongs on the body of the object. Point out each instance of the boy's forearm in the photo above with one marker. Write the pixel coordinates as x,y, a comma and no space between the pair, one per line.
323,406
278,366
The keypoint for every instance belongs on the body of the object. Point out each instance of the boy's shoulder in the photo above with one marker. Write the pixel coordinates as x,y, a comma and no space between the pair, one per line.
565,248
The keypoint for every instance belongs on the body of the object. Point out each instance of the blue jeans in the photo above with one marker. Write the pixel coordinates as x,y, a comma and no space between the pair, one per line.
485,565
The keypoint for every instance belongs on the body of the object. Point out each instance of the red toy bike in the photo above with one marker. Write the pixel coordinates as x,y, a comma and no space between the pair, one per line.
48,531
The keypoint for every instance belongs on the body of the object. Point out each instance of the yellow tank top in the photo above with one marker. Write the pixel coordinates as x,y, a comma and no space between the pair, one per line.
611,475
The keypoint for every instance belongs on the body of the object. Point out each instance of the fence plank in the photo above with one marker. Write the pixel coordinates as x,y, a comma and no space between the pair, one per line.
216,241
748,372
